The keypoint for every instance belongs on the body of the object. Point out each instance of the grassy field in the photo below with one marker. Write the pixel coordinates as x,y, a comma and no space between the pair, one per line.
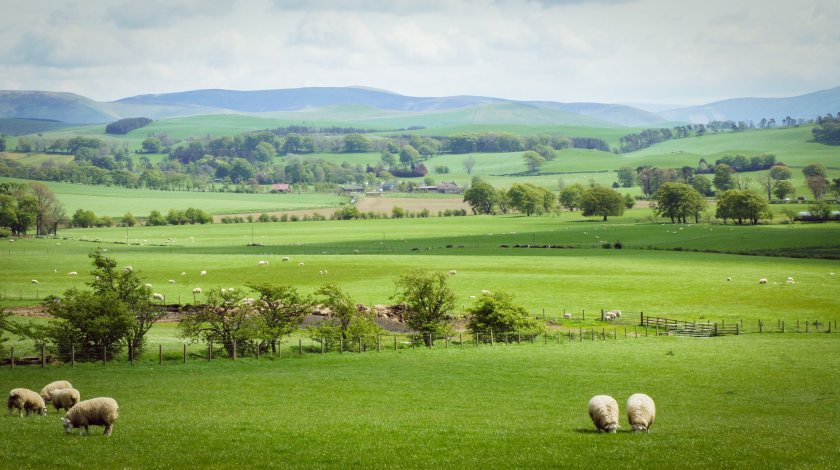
490,407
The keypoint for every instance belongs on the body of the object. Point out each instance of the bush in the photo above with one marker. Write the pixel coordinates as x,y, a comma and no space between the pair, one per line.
497,312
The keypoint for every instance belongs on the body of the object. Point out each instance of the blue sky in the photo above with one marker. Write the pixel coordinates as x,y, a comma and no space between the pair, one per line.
642,51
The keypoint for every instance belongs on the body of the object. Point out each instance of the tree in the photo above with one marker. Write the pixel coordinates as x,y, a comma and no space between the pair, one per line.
341,306
702,185
356,143
49,212
469,164
429,301
155,219
151,145
782,189
818,185
820,211
2,143
224,318
280,310
533,161
723,179
84,219
602,202
128,220
497,312
740,205
409,155
780,172
678,201
626,176
264,152
481,197
814,169
570,196
17,207
531,199
835,187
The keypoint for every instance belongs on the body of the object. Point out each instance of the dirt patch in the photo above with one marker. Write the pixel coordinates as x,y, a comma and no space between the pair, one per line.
32,311
387,204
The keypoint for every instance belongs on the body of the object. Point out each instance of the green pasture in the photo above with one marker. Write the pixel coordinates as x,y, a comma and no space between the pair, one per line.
750,401
115,202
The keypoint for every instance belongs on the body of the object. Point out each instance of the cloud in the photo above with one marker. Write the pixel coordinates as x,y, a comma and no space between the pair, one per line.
161,13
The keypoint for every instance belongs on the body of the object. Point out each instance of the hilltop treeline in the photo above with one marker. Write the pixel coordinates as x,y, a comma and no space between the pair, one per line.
124,126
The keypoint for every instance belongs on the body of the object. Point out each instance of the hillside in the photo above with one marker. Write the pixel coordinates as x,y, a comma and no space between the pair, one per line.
58,106
806,106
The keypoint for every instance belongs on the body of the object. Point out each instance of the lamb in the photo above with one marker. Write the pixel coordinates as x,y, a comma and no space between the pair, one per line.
25,399
183,273
102,411
567,316
285,258
128,269
65,398
263,262
728,279
47,391
171,281
72,273
609,316
148,286
300,264
197,290
790,280
763,280
485,292
157,296
640,412
603,409
453,272
35,281
615,313
202,273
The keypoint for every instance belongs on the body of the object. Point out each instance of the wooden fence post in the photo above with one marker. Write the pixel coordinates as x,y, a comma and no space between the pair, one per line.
461,340
491,337
185,353
807,327
476,339
209,350
43,357
12,357
395,342
160,354
234,349
341,345
130,356
300,345
378,342
783,326
72,355
104,354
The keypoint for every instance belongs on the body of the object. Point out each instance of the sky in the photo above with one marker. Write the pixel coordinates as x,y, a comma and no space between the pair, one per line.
617,51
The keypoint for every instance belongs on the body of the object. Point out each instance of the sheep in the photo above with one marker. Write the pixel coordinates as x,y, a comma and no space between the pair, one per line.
102,411
453,272
300,265
615,313
157,296
202,273
25,399
763,280
171,281
603,409
640,412
609,316
47,391
128,269
65,398
148,286
197,290
35,281
263,262
183,273
485,292
790,280
285,258
728,279
72,273
567,316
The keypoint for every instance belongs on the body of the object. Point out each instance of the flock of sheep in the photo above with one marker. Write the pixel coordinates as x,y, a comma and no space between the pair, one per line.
101,411
641,411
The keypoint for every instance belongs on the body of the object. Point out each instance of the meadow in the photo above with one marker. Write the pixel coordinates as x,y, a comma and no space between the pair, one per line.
759,401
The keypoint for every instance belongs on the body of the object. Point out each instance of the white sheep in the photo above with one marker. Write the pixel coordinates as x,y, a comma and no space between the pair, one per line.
72,273
609,316
640,412
128,269
183,273
603,409
35,281
615,313
148,286
157,296
453,272
47,391
728,279
567,316
790,280
763,280
25,399
65,398
485,292
171,281
197,290
102,411
263,262
300,265
285,258
202,273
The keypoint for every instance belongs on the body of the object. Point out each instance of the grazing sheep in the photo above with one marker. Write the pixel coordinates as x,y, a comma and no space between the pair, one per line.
171,281
615,313
453,272
285,258
728,279
183,273
640,412
35,281
609,316
25,399
300,265
128,269
72,273
65,398
102,411
197,290
763,280
157,296
485,292
202,273
603,409
47,391
790,280
263,262
567,316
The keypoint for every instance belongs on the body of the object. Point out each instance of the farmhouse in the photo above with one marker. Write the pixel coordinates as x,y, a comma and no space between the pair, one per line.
352,188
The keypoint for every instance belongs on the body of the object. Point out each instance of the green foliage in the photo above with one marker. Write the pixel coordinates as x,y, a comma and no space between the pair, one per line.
570,196
155,219
280,310
678,201
356,143
814,169
82,218
740,205
818,185
780,172
151,145
429,301
225,317
18,207
497,312
724,179
531,199
341,305
626,176
783,189
128,220
601,201
124,126
827,130
481,197
533,161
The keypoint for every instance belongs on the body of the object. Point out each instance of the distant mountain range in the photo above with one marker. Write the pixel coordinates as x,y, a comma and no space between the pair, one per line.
72,108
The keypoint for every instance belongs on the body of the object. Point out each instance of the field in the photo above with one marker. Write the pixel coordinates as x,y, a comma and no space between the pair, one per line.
490,407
